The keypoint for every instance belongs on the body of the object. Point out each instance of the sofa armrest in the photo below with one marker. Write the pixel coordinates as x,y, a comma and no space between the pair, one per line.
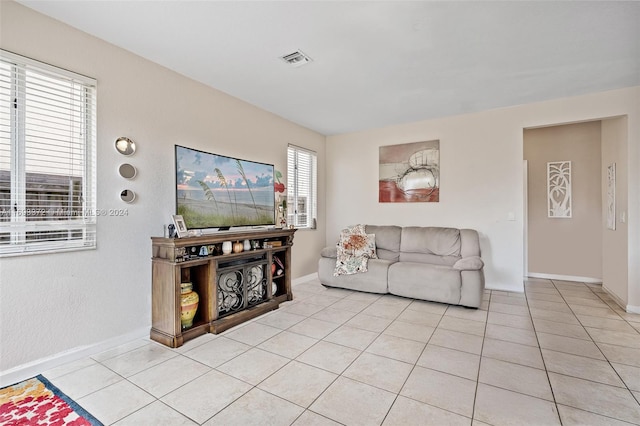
470,263
331,252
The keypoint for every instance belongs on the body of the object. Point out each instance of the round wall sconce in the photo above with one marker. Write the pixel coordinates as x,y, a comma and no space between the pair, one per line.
125,146
127,171
127,196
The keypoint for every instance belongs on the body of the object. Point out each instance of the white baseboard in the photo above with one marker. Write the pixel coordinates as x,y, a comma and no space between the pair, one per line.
508,289
304,279
615,297
33,368
565,278
633,309
628,308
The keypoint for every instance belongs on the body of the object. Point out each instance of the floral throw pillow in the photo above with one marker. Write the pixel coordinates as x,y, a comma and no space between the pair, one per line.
355,247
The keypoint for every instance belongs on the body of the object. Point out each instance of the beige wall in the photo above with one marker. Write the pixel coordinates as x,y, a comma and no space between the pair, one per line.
570,247
54,303
615,254
482,181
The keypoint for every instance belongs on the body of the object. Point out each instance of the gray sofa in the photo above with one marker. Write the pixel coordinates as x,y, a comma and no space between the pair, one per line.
428,263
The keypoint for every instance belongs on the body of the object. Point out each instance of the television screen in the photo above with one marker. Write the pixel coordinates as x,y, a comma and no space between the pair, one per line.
215,191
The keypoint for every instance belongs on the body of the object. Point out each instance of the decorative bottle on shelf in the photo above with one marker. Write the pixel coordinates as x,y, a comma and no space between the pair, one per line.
246,245
188,304
279,266
226,247
282,213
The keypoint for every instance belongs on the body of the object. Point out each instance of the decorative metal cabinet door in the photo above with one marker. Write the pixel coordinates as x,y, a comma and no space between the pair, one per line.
240,286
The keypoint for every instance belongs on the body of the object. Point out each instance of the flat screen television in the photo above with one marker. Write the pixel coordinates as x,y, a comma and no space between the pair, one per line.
216,191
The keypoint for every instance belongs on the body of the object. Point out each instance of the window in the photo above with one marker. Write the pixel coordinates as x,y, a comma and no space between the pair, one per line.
47,158
302,192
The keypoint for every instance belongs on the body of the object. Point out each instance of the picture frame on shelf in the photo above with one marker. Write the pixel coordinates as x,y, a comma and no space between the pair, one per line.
181,226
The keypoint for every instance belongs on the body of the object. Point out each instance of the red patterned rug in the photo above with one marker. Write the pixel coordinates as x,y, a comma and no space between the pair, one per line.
38,402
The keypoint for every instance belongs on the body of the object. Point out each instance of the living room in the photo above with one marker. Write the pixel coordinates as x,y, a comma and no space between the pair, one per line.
62,307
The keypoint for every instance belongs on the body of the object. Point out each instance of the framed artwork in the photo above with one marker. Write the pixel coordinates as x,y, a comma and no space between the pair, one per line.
559,202
181,227
409,173
611,196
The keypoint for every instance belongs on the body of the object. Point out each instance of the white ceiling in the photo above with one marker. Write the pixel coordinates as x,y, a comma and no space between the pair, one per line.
376,63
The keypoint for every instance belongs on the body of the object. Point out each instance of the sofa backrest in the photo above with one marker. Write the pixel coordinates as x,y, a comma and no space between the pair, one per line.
469,243
387,241
430,245
435,245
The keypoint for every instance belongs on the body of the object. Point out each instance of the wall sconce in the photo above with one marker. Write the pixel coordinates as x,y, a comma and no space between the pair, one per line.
127,171
127,196
125,146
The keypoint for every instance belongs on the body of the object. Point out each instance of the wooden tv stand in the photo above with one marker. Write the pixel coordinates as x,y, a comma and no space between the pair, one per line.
233,288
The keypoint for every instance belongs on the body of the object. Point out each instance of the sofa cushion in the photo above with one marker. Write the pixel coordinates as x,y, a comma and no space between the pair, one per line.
372,281
387,241
429,258
419,244
438,283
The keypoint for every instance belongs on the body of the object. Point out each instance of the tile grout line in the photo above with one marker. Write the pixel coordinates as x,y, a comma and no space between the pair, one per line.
351,363
305,409
599,349
603,354
415,364
183,355
544,364
295,359
256,386
484,336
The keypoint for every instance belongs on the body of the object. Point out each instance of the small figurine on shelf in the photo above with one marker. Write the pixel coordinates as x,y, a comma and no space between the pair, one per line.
282,212
227,247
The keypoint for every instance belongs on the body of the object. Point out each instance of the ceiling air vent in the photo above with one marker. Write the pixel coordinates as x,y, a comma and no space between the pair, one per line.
296,59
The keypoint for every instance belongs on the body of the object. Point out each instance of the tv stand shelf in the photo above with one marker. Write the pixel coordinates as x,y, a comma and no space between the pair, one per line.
233,288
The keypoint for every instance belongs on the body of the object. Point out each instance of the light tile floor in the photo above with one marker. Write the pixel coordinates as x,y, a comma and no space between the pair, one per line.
561,353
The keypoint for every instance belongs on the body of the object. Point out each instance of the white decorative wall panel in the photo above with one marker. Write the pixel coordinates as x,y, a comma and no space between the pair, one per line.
559,203
611,197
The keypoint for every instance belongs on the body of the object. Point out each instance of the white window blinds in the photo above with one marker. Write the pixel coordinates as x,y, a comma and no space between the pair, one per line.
302,187
47,158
